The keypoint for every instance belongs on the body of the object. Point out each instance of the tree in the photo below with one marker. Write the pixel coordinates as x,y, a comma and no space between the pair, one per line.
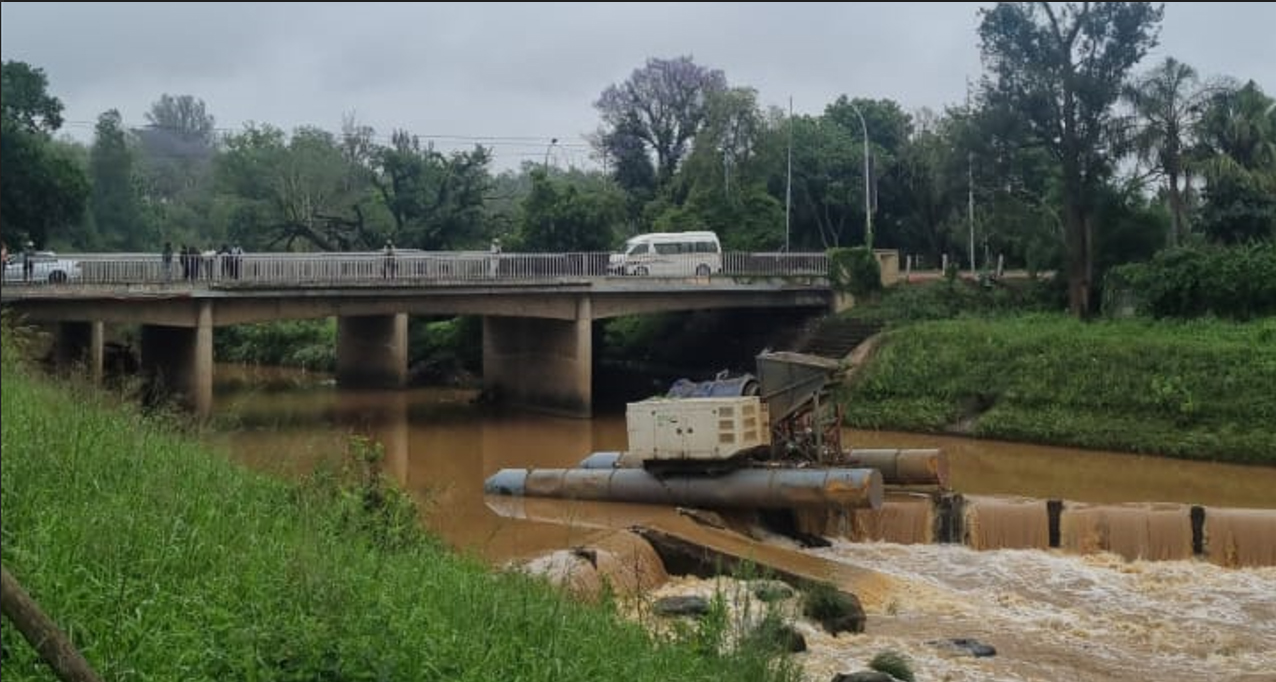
562,217
1167,103
42,188
1060,69
289,191
176,154
1236,151
185,116
436,200
117,213
661,107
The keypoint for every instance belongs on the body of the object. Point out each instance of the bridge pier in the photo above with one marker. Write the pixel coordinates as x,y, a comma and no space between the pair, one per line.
372,350
539,364
178,361
81,342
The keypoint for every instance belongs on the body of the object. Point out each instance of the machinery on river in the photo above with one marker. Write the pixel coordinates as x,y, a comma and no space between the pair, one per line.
765,441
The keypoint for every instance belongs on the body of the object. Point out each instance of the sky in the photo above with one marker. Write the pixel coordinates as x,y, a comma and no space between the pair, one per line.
516,76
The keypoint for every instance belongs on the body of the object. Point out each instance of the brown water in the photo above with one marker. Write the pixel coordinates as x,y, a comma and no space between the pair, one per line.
1052,615
442,448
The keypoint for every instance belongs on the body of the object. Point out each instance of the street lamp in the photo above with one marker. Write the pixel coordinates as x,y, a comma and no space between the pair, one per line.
552,141
868,207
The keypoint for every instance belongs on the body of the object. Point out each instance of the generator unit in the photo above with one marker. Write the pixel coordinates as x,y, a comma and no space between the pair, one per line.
668,431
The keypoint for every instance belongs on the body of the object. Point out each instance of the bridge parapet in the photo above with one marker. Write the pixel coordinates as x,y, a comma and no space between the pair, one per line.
402,267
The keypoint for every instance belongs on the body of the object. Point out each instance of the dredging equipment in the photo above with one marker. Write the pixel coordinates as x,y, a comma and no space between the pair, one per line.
767,442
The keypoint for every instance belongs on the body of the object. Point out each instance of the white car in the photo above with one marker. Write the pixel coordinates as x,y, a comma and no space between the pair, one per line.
45,267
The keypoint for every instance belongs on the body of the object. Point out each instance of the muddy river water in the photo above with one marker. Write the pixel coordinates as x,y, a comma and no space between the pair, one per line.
1051,615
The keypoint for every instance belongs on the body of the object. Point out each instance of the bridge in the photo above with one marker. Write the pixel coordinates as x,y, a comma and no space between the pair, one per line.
537,309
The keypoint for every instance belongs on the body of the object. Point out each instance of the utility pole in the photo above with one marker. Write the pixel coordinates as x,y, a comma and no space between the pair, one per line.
545,166
788,185
970,187
868,181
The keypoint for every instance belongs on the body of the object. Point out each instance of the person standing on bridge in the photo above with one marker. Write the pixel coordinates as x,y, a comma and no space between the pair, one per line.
388,266
28,260
167,258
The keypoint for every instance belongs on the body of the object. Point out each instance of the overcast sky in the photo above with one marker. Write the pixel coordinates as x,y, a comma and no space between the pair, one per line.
517,75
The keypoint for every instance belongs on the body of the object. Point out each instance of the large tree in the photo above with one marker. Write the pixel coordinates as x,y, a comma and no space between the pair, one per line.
659,109
436,199
1060,68
1167,102
116,209
42,188
297,190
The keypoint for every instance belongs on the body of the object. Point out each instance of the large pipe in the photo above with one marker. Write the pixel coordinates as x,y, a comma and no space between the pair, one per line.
898,467
904,467
745,488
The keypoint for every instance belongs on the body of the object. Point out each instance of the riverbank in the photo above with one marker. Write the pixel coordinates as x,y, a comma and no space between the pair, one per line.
1194,390
164,561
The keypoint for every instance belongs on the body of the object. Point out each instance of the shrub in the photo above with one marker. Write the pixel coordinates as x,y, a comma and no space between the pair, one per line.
855,271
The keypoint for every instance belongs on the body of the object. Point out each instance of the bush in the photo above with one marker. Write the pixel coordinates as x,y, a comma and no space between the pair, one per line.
855,271
894,664
1237,282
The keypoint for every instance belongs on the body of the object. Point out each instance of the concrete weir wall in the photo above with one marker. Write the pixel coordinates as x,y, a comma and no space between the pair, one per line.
1135,531
541,364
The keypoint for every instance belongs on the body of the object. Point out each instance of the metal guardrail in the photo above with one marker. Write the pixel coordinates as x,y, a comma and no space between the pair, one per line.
404,267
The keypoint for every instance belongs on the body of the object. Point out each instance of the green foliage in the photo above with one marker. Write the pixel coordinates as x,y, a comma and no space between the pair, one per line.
436,199
954,298
823,602
42,189
309,189
164,561
894,664
310,344
1056,71
560,217
1199,390
447,344
117,212
1237,282
855,271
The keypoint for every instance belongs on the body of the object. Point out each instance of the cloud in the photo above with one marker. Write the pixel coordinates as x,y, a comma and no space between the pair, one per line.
529,70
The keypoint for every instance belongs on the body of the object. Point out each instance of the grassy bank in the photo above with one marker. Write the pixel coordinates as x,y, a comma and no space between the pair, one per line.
165,562
1198,390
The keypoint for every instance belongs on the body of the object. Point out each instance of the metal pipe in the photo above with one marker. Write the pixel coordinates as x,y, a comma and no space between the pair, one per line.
601,460
745,488
927,466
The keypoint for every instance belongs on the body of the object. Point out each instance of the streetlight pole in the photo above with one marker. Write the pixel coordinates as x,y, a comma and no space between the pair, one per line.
545,166
868,206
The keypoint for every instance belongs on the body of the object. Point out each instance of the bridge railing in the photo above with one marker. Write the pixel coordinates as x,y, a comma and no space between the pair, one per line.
407,267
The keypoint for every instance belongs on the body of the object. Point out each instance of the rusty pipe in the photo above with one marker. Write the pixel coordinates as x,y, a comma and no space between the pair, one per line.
904,467
745,488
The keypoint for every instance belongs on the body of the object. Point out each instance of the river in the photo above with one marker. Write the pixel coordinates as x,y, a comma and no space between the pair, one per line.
1052,616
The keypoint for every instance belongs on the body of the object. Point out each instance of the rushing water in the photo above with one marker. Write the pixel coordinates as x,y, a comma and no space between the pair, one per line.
1052,616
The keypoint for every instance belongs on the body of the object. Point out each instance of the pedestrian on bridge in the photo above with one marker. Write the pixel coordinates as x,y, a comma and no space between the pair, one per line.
28,260
167,258
388,266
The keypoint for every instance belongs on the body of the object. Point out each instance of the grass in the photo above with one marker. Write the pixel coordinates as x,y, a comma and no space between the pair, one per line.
163,561
1198,390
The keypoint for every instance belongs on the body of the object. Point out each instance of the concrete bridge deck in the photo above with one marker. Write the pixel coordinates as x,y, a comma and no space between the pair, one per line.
537,309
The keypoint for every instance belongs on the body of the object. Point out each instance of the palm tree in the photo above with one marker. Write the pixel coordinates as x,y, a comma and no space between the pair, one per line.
1167,101
1236,149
